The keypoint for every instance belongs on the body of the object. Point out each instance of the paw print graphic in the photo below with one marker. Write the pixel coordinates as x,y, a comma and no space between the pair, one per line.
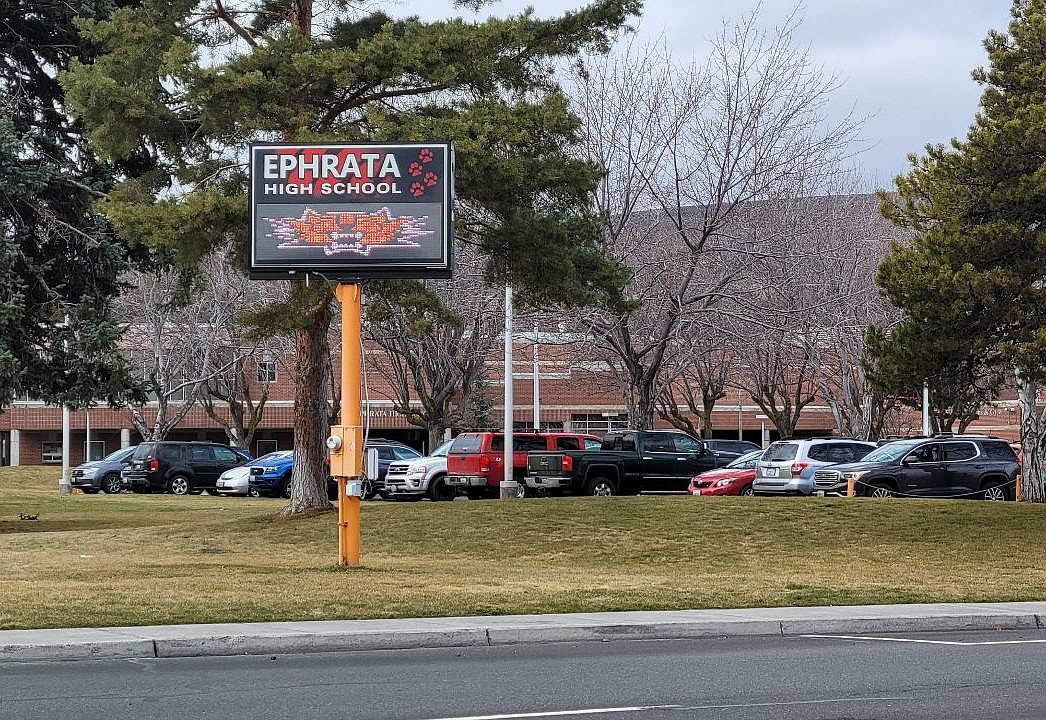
425,155
415,169
417,189
431,179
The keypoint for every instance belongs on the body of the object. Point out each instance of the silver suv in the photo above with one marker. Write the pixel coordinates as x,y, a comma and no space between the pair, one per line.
788,466
421,477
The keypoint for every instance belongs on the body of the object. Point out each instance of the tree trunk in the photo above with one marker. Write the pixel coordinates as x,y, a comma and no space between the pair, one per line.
436,431
309,478
1033,442
641,404
707,407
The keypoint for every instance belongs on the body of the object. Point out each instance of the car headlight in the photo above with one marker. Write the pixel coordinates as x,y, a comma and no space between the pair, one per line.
724,481
270,469
89,472
415,469
854,475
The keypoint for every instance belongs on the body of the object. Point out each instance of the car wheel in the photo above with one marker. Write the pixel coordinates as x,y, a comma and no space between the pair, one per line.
179,485
285,488
880,490
111,484
253,492
599,487
367,489
746,491
994,492
521,489
439,491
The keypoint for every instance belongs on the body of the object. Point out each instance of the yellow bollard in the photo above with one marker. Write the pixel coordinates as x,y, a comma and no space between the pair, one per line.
1017,492
850,487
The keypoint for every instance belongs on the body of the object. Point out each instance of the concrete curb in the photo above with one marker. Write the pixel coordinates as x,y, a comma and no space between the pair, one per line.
410,633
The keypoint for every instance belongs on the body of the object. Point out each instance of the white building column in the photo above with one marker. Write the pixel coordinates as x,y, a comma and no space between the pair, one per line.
64,488
125,437
15,447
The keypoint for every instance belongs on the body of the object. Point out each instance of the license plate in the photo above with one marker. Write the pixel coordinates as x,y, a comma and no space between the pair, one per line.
697,492
770,472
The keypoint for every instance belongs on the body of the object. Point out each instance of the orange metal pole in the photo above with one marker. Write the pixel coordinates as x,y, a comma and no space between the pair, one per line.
1017,491
351,299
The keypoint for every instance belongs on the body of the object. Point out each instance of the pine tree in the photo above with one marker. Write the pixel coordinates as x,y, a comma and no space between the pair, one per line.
974,275
59,260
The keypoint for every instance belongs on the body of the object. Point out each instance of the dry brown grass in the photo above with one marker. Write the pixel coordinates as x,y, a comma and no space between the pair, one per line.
156,559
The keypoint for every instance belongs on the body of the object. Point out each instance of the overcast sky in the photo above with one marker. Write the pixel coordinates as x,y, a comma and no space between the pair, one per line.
905,64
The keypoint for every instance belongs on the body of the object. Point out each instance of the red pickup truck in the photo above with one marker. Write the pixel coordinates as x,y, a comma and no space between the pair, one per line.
476,460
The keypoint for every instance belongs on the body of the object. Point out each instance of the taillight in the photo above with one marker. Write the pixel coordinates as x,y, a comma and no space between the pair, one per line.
154,465
798,467
568,463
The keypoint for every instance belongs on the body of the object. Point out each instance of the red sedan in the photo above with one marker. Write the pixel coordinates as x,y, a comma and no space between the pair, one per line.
734,479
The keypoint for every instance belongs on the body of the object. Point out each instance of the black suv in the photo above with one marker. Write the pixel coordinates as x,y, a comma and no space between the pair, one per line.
180,467
963,466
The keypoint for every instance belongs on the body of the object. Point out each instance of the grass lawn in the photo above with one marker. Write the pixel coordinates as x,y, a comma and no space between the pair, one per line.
96,560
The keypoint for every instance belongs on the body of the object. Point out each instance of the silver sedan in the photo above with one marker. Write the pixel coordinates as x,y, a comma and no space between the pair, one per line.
234,481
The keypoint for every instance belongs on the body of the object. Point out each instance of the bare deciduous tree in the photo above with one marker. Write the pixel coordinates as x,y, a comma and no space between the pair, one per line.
188,343
236,392
435,340
709,369
173,343
844,255
687,151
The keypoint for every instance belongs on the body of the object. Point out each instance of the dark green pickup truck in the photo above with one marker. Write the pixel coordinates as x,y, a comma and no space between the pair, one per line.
628,463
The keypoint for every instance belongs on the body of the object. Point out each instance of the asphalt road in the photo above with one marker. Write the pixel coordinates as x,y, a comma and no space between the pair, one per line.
958,676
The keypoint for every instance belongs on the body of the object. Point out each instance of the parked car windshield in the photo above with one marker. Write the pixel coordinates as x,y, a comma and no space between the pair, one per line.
405,453
119,455
275,455
889,452
746,461
781,451
442,450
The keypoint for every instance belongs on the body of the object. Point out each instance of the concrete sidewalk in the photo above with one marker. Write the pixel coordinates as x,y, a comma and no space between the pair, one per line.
339,635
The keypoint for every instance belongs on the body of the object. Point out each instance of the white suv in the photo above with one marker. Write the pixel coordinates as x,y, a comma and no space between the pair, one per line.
421,477
788,466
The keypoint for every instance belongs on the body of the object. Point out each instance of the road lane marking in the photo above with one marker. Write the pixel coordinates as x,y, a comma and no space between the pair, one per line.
927,642
648,708
565,713
787,703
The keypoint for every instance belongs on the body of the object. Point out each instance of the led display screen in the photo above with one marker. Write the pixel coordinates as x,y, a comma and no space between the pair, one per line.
351,212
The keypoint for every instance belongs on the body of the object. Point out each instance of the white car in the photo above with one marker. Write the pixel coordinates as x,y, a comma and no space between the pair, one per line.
420,477
234,481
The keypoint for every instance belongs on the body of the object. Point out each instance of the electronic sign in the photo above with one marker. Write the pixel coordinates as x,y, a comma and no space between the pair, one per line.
351,212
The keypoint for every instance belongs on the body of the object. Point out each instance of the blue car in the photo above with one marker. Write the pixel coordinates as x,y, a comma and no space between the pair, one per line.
102,474
271,475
